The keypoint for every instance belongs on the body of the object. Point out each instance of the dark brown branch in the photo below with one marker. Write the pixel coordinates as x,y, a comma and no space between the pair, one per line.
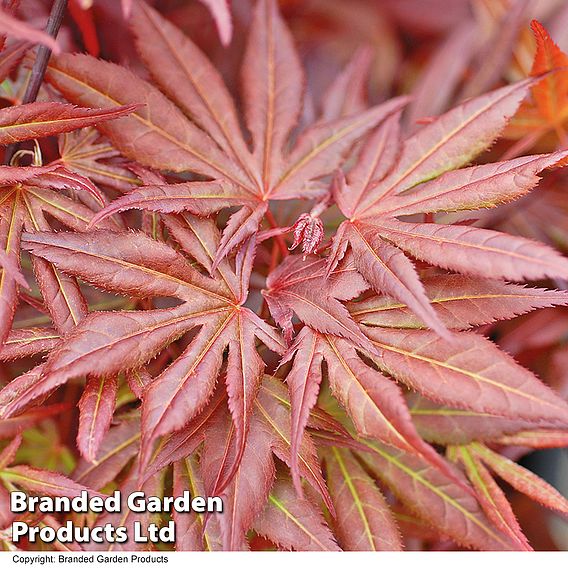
40,64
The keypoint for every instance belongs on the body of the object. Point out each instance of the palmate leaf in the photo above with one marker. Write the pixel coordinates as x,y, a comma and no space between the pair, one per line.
295,287
86,152
474,251
184,442
88,340
374,403
42,482
14,27
126,517
96,408
9,264
27,342
145,267
545,438
174,60
212,144
245,495
11,226
158,134
248,490
272,409
119,446
475,187
29,197
11,55
273,105
468,372
8,453
347,93
274,406
195,343
419,178
137,270
452,140
13,426
501,388
198,198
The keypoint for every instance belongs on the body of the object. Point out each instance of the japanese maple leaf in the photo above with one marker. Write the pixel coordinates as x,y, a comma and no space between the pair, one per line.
27,194
119,447
370,526
139,266
446,426
467,371
31,479
541,216
86,152
40,119
13,27
192,533
424,489
203,450
547,110
126,516
393,179
200,132
222,15
427,493
477,460
292,523
249,488
29,197
11,55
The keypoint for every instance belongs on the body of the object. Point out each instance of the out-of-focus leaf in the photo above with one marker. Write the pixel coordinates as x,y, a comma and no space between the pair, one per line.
221,13
13,27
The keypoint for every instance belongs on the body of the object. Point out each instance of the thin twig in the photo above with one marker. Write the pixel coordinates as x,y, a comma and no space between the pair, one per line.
40,64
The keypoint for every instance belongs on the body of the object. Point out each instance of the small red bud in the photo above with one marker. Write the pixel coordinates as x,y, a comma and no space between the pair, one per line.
309,231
